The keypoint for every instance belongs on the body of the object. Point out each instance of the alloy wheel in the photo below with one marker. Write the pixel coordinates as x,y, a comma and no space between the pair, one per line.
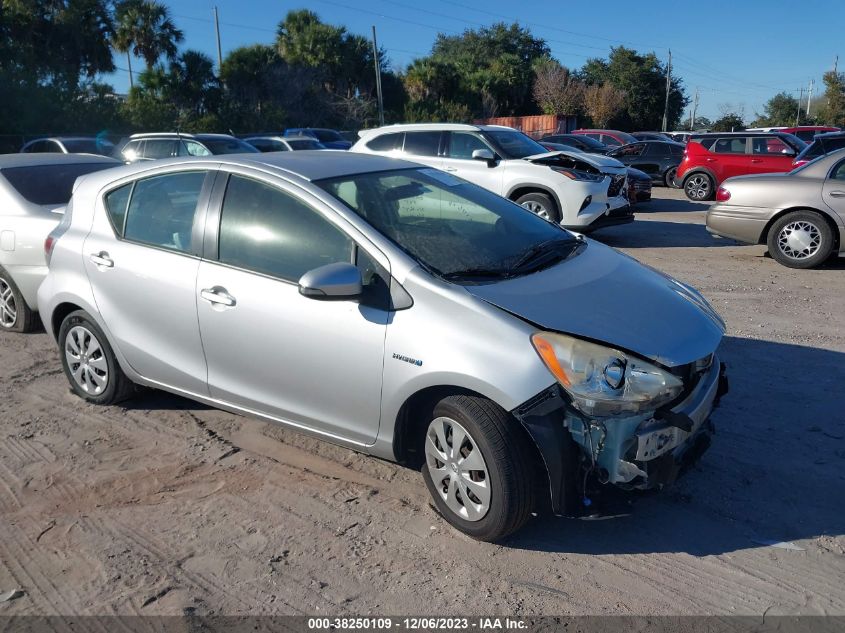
698,187
86,360
8,308
537,208
457,469
799,240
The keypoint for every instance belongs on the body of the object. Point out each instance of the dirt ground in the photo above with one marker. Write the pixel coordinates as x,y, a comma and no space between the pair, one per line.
163,506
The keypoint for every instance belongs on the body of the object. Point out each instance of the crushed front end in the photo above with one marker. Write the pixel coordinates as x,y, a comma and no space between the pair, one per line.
649,450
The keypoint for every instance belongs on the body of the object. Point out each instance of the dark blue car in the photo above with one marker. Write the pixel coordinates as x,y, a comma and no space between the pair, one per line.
331,139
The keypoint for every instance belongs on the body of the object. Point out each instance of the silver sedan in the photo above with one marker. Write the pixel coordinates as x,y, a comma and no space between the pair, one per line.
34,190
799,215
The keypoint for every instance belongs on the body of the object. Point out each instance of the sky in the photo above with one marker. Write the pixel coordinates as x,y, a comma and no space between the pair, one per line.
737,53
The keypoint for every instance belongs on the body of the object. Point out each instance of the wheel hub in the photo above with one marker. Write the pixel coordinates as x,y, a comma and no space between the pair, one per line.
457,469
8,309
799,240
86,360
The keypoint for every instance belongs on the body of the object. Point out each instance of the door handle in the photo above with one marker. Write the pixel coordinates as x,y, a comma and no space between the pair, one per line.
710,160
102,259
837,194
756,160
218,295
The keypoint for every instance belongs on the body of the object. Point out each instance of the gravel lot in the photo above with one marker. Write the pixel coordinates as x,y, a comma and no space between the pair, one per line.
167,507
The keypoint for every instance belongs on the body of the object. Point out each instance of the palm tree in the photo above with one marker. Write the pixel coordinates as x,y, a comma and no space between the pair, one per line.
145,28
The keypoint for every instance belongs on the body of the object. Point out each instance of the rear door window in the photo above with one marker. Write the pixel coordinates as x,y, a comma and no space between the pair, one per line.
266,230
161,210
386,142
422,143
732,145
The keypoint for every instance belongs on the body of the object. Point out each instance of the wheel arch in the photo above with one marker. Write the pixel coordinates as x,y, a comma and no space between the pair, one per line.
522,189
699,170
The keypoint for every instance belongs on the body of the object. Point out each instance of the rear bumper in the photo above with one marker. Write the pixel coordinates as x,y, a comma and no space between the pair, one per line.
27,279
745,224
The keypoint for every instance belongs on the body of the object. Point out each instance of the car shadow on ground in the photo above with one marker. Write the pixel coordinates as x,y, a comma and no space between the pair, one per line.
773,474
659,233
674,205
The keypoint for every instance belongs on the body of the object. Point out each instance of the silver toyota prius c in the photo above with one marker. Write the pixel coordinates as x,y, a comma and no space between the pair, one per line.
394,309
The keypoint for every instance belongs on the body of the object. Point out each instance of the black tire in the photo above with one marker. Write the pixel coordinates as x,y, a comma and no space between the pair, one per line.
508,458
817,235
15,315
669,178
542,205
116,386
699,187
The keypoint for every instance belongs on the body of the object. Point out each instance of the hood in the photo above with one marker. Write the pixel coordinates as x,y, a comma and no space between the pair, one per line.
609,297
604,164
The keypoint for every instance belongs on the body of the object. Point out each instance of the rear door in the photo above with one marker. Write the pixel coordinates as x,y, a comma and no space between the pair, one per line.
459,161
769,154
833,191
142,258
729,157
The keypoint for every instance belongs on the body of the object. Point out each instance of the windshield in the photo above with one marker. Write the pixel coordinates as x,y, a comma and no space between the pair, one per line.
447,224
513,144
49,185
796,142
296,145
327,135
88,146
227,145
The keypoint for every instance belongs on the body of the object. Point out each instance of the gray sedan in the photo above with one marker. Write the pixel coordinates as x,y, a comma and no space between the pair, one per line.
34,189
799,215
394,309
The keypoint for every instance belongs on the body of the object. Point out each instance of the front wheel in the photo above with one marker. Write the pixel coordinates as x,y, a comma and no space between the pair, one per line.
801,239
540,204
699,187
89,362
478,467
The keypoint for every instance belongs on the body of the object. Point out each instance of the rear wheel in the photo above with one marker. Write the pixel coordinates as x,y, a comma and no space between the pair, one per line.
699,187
89,362
478,467
801,239
669,177
541,204
15,315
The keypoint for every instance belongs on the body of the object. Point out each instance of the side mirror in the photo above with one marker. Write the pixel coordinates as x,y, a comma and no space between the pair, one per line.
484,154
332,281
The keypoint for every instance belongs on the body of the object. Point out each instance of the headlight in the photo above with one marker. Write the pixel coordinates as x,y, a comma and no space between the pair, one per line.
603,381
575,174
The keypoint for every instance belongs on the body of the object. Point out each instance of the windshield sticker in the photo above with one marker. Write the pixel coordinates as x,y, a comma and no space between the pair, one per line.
442,177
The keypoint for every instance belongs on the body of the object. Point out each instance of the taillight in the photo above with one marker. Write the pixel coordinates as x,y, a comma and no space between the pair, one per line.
722,194
49,243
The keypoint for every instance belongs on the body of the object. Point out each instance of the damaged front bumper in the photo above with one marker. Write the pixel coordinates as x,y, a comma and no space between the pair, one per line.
636,452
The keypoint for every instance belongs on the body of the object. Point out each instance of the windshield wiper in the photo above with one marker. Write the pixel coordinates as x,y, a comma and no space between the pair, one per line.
553,246
488,273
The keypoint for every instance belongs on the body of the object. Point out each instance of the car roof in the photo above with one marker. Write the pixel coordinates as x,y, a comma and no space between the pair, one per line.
830,134
743,133
433,127
69,138
8,161
307,164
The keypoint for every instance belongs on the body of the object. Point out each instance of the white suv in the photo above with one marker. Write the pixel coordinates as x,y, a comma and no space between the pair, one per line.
580,191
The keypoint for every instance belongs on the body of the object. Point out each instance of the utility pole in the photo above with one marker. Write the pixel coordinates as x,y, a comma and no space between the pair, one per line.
668,88
694,109
810,96
378,79
129,61
219,50
798,112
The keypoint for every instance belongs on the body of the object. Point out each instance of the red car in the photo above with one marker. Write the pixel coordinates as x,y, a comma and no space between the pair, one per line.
805,132
711,158
612,138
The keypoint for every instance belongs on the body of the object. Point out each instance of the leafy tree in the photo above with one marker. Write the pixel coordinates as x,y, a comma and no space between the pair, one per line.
643,80
193,86
781,110
833,110
145,28
556,90
603,103
728,122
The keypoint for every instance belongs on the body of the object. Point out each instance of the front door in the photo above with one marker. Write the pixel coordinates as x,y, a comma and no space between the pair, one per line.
459,161
142,260
315,364
769,154
834,191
